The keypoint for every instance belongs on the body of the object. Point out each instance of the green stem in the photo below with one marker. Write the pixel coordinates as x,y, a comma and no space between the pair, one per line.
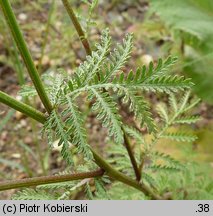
21,44
22,107
12,184
38,84
78,27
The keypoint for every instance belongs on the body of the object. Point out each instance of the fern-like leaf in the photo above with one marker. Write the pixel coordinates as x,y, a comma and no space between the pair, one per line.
101,191
164,168
167,84
108,114
88,191
187,120
91,66
54,122
28,91
147,178
180,136
168,159
141,111
118,58
74,120
53,86
162,111
173,102
147,74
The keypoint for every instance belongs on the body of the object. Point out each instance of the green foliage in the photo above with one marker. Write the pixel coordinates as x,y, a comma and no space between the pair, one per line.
89,69
119,192
75,123
196,22
102,71
193,183
89,21
193,27
160,171
100,80
180,137
8,116
107,87
54,122
108,113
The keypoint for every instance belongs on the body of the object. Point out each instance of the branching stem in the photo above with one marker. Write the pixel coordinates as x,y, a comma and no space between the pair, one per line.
113,173
31,112
40,117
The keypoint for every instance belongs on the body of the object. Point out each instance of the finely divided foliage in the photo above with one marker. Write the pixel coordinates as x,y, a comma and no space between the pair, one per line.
100,76
55,122
157,166
108,113
75,123
102,80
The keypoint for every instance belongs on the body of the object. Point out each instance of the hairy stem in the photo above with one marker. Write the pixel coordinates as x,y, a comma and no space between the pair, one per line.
23,49
12,184
22,107
78,27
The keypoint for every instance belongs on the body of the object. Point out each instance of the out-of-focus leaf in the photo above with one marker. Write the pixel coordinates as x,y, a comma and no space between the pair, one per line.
193,19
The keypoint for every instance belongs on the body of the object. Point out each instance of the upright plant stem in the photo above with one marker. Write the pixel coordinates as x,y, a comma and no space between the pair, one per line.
12,184
22,107
78,27
20,42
